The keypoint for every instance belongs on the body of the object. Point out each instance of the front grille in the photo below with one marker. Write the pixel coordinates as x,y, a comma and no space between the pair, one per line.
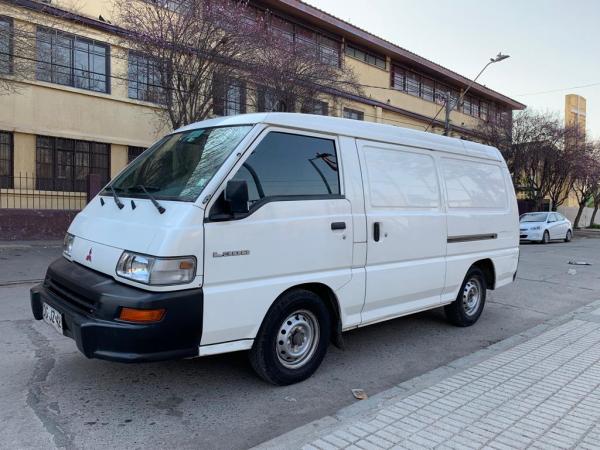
70,296
523,236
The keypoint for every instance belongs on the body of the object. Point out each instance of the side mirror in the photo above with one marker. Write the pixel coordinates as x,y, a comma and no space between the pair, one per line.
236,194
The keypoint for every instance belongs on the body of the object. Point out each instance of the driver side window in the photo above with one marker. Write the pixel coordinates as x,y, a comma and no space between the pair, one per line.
290,165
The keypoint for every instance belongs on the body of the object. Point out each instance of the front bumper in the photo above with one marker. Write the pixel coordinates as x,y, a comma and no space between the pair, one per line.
529,235
91,302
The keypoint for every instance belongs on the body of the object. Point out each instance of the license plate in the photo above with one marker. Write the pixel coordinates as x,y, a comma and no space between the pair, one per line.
53,317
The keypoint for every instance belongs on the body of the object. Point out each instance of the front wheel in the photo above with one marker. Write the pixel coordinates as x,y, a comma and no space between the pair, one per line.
293,338
546,237
468,306
569,236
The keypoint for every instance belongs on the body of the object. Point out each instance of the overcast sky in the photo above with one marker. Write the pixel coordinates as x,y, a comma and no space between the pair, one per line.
554,44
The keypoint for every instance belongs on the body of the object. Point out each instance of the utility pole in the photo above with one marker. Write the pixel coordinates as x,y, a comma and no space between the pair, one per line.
449,105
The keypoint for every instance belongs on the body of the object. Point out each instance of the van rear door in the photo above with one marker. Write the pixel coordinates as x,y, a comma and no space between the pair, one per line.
406,230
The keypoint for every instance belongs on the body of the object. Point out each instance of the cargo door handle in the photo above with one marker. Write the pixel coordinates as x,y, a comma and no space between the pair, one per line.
338,225
376,231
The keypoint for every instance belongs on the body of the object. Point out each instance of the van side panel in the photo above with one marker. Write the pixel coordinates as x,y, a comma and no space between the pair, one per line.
482,220
406,256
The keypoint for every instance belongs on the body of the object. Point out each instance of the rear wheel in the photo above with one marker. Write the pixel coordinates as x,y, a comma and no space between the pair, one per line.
469,303
293,338
546,237
569,236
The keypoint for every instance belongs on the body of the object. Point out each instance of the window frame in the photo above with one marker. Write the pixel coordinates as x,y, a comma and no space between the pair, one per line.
10,57
11,161
162,97
73,152
219,192
361,114
73,38
350,50
133,152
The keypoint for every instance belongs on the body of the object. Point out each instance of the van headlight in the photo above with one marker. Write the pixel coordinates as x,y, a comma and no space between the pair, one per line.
157,271
68,245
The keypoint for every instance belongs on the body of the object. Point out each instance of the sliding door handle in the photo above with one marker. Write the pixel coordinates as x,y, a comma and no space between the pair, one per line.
376,231
338,225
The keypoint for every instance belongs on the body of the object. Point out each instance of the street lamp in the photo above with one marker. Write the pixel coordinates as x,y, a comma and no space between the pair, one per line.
448,103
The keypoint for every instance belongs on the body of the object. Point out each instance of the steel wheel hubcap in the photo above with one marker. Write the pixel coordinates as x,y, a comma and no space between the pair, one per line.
297,339
471,296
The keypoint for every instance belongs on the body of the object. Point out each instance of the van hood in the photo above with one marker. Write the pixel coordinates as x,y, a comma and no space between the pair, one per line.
103,231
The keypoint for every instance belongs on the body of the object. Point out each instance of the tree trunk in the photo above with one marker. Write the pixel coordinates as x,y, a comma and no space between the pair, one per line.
594,215
578,216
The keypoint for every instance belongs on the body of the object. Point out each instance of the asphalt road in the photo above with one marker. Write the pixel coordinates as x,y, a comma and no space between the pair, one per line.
52,396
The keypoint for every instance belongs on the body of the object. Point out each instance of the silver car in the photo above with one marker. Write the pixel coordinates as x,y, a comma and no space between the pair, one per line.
545,227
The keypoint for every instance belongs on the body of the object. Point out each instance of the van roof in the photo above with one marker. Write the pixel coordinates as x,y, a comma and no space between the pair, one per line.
356,129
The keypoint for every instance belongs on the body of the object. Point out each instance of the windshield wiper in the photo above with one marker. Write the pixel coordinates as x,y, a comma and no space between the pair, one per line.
116,197
158,206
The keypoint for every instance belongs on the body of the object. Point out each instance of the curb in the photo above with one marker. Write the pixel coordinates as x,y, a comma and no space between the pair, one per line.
308,433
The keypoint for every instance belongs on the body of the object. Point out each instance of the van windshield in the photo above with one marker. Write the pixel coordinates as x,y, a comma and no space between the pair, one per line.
180,165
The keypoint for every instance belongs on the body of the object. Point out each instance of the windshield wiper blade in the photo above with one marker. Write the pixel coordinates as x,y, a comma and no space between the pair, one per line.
116,197
158,206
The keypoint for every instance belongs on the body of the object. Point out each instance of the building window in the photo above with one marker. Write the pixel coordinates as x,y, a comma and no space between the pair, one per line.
6,44
64,164
290,165
72,61
427,89
353,114
229,96
325,49
317,107
145,79
269,101
366,56
6,159
483,110
134,152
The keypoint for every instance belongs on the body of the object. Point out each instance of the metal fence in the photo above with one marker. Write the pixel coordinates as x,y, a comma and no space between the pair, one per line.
25,191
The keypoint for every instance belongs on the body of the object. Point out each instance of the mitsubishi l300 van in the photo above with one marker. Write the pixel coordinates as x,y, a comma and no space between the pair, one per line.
275,233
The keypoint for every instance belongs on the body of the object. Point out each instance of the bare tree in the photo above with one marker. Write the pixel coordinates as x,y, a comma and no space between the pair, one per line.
596,202
189,42
292,68
539,153
21,56
200,48
587,178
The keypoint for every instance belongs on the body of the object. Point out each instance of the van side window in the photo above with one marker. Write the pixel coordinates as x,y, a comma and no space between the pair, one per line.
290,165
401,179
471,184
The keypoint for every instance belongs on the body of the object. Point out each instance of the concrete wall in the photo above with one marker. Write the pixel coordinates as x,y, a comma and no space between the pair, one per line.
571,211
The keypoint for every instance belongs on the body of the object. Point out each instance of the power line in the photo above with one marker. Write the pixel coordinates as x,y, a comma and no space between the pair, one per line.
560,89
158,105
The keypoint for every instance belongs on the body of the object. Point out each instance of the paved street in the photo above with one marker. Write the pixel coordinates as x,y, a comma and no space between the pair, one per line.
542,394
52,396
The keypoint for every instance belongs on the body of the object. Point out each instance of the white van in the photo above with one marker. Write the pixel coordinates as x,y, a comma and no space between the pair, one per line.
274,233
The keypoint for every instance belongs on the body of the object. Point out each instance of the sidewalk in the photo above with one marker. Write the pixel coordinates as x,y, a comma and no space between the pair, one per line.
539,389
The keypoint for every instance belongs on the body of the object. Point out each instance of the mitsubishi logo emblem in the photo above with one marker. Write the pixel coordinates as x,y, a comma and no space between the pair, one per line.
89,256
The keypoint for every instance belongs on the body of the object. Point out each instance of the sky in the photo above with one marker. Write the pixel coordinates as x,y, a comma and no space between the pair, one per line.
554,45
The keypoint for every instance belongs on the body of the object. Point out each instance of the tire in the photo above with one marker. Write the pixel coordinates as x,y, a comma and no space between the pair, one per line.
569,236
546,238
465,310
302,317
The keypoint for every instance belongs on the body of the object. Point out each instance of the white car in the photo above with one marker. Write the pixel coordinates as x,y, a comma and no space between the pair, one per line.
545,227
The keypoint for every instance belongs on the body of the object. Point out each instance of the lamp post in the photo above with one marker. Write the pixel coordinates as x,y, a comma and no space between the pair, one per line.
450,106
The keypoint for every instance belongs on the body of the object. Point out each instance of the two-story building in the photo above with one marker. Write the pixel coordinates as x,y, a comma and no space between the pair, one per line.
88,105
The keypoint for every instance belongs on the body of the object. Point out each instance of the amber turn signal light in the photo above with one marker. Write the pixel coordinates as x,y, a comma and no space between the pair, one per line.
141,315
